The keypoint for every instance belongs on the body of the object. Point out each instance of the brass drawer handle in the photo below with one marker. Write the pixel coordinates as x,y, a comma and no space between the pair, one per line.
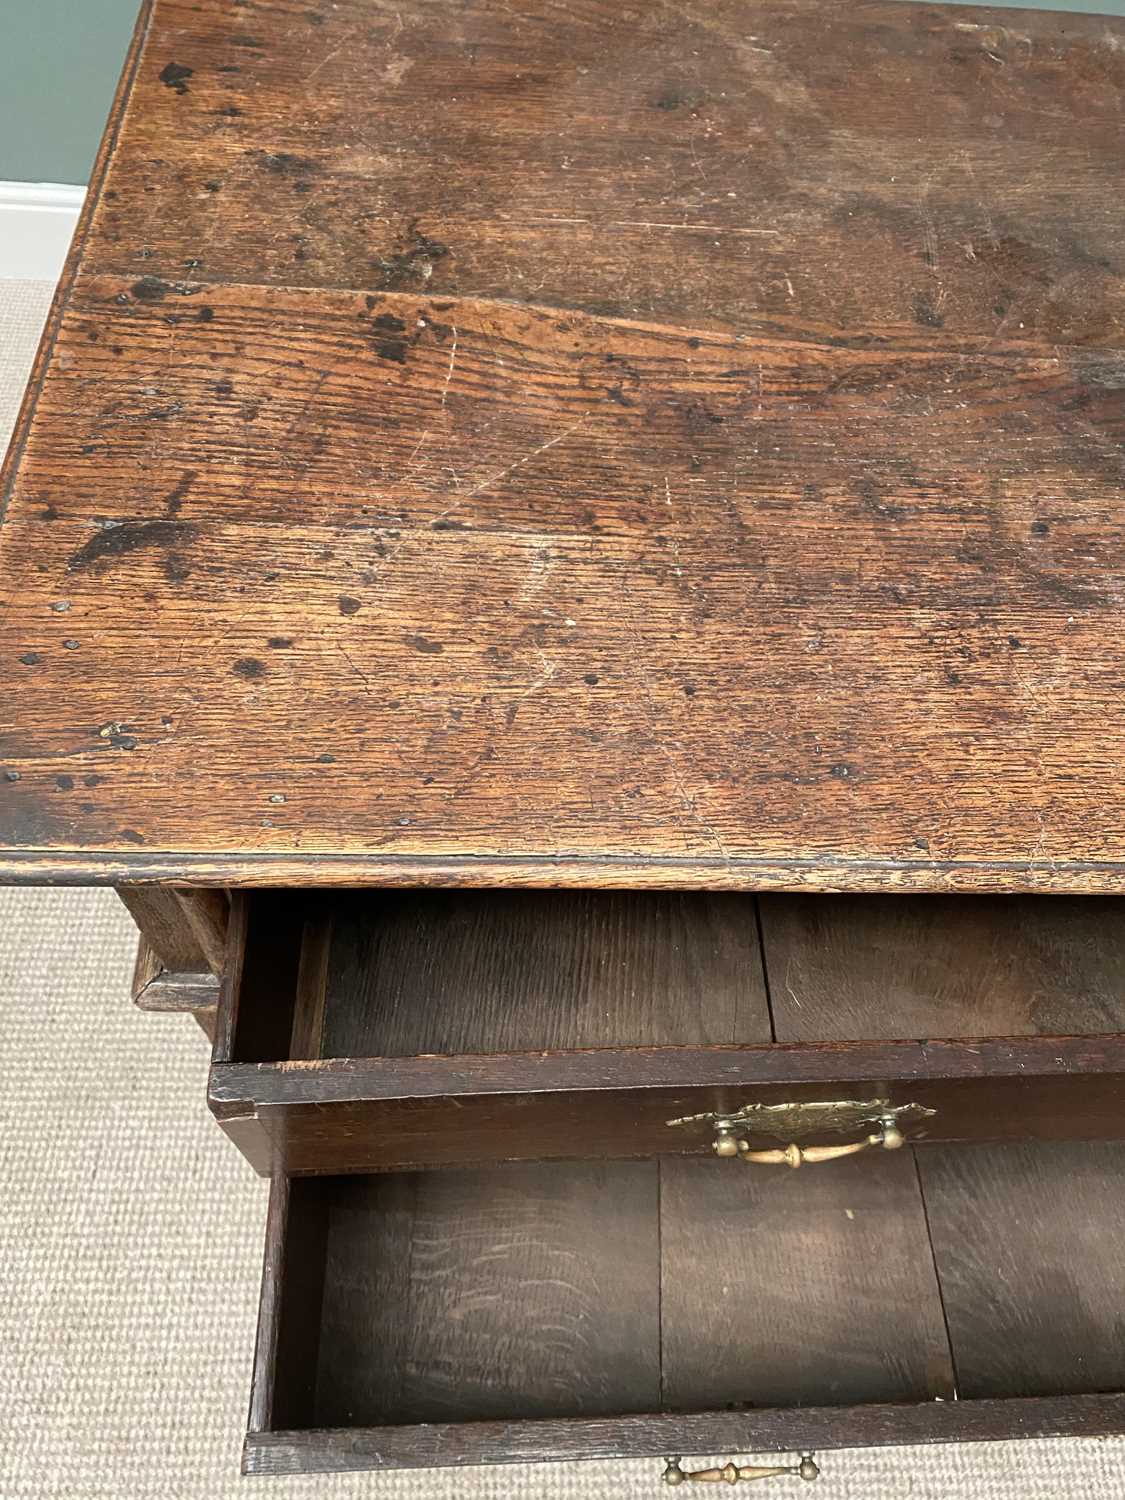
791,1122
732,1473
727,1143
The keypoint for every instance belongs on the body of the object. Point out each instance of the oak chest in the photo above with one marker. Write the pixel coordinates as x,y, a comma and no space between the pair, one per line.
567,563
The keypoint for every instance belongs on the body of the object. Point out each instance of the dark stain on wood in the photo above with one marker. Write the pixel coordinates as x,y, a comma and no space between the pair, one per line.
176,497
284,163
175,76
116,541
153,289
390,337
413,265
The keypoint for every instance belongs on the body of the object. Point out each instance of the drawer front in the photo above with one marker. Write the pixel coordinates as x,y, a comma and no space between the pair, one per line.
597,1310
402,1113
812,1429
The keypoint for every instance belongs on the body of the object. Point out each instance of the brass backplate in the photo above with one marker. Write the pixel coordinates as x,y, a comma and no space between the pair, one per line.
791,1122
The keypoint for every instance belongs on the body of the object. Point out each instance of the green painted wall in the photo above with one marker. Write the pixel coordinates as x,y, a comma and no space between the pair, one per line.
59,64
59,61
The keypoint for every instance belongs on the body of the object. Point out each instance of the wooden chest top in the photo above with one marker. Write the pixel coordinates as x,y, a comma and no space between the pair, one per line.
589,443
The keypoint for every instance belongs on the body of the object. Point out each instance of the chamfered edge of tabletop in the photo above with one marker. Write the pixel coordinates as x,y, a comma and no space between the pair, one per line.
531,871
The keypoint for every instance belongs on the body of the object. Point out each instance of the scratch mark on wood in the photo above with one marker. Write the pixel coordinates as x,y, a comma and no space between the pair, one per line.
358,670
449,372
520,463
691,228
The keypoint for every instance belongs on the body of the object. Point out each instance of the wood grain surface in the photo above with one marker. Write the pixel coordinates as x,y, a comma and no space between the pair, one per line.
192,991
839,162
479,971
603,446
1028,1243
782,1288
528,1292
862,967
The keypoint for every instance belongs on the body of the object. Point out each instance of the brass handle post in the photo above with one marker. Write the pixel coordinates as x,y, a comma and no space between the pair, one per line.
728,1143
732,1473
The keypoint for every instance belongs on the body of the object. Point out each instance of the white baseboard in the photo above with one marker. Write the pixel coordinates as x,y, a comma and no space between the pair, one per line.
37,221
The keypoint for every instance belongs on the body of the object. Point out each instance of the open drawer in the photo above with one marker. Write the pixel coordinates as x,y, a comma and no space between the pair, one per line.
379,1030
678,1306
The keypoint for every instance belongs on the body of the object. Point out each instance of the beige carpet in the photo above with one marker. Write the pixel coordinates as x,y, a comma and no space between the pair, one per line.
131,1232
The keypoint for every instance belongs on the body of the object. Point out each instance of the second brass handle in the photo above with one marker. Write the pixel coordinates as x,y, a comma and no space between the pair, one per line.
728,1143
732,1473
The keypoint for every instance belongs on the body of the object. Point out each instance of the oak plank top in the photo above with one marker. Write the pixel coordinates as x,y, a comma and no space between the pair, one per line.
581,443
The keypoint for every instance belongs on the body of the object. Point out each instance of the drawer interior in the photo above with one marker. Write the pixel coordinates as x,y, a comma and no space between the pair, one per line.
410,973
680,1285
